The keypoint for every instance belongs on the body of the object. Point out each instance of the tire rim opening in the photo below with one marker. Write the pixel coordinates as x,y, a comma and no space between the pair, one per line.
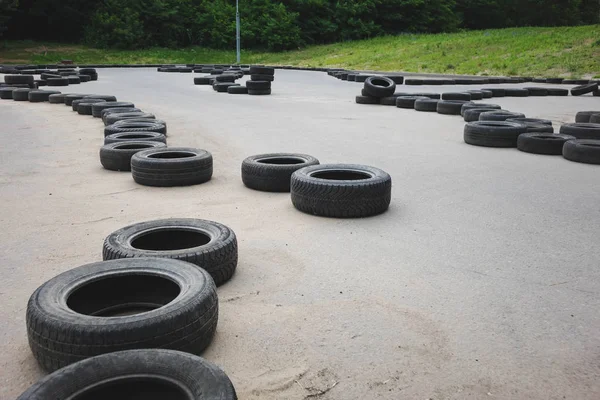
170,239
133,146
341,175
134,387
118,296
281,160
172,154
549,137
380,82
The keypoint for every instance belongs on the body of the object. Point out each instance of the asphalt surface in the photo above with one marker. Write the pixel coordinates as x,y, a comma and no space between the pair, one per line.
481,281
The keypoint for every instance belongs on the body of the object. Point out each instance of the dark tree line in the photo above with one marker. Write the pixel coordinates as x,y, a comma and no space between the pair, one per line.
268,24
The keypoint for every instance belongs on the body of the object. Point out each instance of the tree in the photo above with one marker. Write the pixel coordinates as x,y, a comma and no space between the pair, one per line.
7,8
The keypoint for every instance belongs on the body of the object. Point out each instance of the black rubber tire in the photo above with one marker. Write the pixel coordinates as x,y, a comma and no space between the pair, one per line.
46,75
217,253
499,115
262,71
202,80
106,97
237,90
70,98
75,104
128,122
225,78
496,92
557,92
408,101
472,114
57,98
368,195
515,92
273,172
584,116
258,77
58,81
24,79
135,137
542,143
554,80
414,82
475,94
450,107
257,92
200,378
430,95
361,78
386,101
537,91
493,133
398,79
581,130
161,167
111,119
97,110
39,83
469,106
85,78
21,94
216,71
84,106
427,104
117,156
379,86
258,85
108,111
487,94
40,96
531,120
129,126
222,87
73,80
595,118
367,100
457,96
583,89
6,92
582,150
67,318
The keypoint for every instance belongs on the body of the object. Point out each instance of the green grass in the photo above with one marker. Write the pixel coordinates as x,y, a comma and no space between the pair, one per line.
564,51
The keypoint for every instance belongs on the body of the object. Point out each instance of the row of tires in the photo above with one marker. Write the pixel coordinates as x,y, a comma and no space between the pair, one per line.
63,77
155,289
490,126
136,141
361,77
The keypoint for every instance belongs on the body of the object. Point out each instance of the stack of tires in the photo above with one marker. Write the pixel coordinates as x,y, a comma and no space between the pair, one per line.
377,90
260,81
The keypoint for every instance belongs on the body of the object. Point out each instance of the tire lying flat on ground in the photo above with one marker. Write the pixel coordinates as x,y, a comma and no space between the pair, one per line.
493,133
450,107
21,94
468,106
579,130
408,101
341,190
273,172
472,114
97,109
117,156
111,119
584,116
541,143
12,79
84,106
237,90
174,166
500,115
367,100
206,244
120,305
582,150
135,137
429,105
150,374
135,126
108,111
40,96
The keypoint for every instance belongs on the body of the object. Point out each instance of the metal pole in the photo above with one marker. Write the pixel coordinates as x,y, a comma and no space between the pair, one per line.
237,30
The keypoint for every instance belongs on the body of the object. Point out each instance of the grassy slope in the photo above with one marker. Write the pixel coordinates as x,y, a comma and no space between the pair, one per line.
564,51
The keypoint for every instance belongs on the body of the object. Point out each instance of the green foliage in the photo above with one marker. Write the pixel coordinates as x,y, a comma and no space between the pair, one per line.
7,7
273,25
